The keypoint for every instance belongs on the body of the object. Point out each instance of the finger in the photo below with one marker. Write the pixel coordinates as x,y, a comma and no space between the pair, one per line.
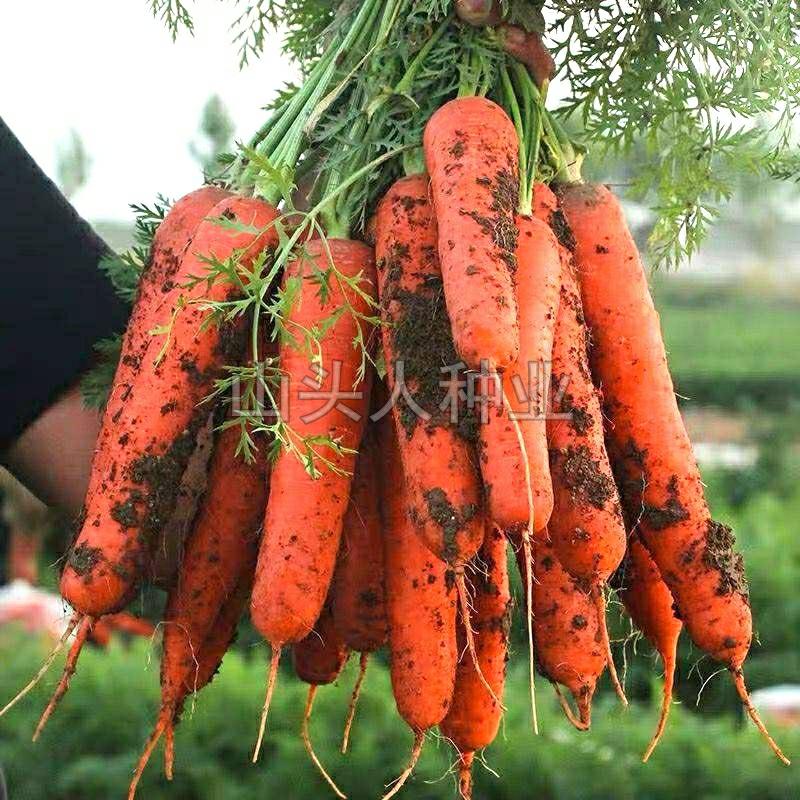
530,50
478,12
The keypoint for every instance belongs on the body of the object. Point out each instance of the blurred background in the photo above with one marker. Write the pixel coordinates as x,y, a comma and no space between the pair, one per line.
116,113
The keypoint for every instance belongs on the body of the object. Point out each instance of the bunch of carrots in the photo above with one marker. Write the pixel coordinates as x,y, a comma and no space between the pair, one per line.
483,377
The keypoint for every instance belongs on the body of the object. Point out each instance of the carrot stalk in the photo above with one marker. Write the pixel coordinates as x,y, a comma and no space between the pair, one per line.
84,630
351,711
304,734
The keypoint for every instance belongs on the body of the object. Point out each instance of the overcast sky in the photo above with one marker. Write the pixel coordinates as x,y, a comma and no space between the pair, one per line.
110,71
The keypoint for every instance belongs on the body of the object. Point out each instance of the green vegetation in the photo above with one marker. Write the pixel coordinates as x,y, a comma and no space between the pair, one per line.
729,346
90,746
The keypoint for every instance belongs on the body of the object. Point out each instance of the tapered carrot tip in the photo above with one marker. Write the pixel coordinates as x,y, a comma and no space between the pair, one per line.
466,618
84,629
666,704
738,682
74,621
306,737
528,555
351,711
272,676
465,776
164,718
600,604
419,740
169,748
583,721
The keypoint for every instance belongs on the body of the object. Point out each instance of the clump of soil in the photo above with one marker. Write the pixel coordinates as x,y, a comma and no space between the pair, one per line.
582,475
450,519
661,517
82,559
720,555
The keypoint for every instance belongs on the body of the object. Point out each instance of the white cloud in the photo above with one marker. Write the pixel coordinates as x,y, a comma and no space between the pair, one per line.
111,72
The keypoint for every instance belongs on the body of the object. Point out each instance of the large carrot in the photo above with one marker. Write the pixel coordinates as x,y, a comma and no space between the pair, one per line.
318,661
660,481
435,442
474,716
587,529
568,636
220,555
471,152
358,594
421,608
155,419
327,403
649,602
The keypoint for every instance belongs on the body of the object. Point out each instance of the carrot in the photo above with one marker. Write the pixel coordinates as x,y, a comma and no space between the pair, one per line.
219,556
471,152
122,622
318,661
567,632
435,444
474,716
587,529
660,482
650,605
154,418
357,593
205,666
305,512
421,608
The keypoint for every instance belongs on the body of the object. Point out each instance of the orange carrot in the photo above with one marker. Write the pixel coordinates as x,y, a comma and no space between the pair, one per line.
567,632
318,661
155,418
435,442
219,557
659,479
357,594
471,152
206,665
305,512
523,388
587,529
650,605
474,716
421,608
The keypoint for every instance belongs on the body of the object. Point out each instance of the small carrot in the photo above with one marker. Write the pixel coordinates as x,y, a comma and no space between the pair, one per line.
587,530
219,556
474,716
318,661
298,551
471,152
650,605
659,479
358,596
567,633
421,608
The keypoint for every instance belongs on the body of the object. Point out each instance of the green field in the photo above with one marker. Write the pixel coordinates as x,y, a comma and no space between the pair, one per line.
731,347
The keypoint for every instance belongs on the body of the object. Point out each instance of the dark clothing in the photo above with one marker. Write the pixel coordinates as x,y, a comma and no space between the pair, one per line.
54,301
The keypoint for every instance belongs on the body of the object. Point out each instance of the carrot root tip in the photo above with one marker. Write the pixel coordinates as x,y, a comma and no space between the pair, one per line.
419,740
306,737
351,711
744,696
272,677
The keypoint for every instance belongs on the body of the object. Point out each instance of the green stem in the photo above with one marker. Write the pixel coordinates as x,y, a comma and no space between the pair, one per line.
525,188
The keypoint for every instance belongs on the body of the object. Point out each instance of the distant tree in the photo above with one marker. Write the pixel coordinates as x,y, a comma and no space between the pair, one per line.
217,130
73,164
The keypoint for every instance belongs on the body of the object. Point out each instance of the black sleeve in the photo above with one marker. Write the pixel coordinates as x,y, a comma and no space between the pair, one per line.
54,301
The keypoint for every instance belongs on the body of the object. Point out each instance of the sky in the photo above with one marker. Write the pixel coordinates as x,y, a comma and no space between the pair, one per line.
111,72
